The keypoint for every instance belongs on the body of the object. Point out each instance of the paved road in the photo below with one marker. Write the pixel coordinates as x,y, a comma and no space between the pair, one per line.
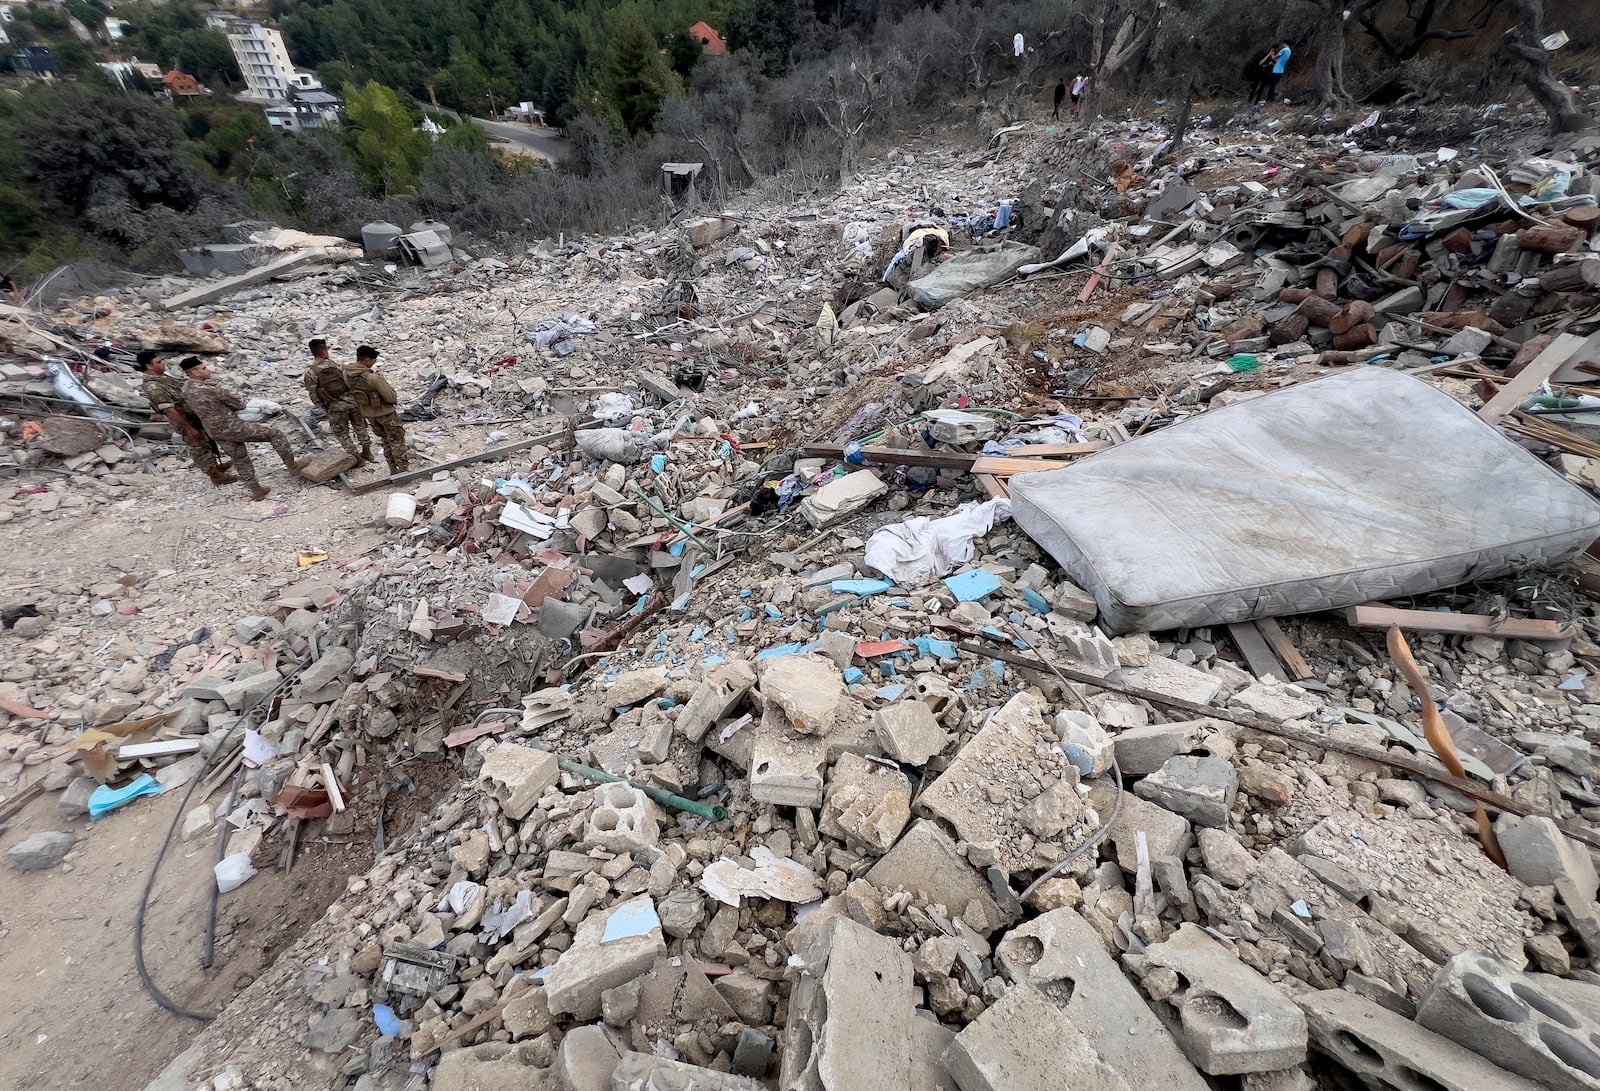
542,142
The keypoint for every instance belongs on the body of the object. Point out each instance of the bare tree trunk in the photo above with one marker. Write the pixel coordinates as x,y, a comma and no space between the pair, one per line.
1330,56
1552,95
1180,125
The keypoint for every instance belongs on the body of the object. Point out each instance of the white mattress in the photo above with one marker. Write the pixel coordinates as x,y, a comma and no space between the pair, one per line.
1364,485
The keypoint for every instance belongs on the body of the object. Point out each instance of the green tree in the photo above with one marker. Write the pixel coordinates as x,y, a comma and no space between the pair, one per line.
633,75
383,141
72,56
685,53
769,28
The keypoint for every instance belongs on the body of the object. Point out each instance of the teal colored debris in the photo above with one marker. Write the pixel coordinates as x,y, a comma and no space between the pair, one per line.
852,675
939,649
104,799
773,612
859,587
746,615
745,594
658,463
713,660
885,667
630,919
1035,600
972,586
638,607
676,549
999,670
891,692
990,630
664,703
696,634
781,649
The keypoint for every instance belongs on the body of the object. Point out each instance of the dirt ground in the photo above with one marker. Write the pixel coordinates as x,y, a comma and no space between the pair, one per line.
77,1016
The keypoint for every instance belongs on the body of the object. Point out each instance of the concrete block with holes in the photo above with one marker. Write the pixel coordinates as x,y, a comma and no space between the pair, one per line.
1229,1019
1508,1017
623,819
1387,1050
1063,956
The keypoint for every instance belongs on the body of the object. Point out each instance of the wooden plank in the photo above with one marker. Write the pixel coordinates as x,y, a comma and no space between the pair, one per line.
1526,381
894,456
993,486
465,460
158,749
1055,450
1284,649
1001,466
1257,653
1094,278
1377,616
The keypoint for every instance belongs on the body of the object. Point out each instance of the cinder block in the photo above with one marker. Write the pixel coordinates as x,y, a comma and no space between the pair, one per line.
623,819
1229,1019
1024,1043
788,771
1506,1016
1389,1050
850,1012
1062,956
518,775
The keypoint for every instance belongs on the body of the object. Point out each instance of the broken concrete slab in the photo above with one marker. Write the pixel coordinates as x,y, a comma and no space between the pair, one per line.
1200,789
646,1072
1016,747
518,775
324,465
1087,745
788,771
929,1041
842,498
608,948
1172,679
1276,701
242,693
1143,750
807,688
1228,1018
1539,854
1225,859
587,1059
1386,1049
717,695
1023,1043
1063,956
1506,1016
332,666
211,291
909,732
867,804
631,687
41,851
1168,836
849,1021
926,862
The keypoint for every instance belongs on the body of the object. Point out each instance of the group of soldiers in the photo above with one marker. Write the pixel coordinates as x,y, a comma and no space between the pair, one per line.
206,414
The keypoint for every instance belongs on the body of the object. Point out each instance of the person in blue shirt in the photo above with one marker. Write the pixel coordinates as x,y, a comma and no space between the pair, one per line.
1280,61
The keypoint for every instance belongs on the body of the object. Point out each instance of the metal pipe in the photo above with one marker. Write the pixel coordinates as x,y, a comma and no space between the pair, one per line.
711,811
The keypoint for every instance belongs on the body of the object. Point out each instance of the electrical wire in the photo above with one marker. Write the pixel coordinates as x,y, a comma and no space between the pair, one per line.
145,980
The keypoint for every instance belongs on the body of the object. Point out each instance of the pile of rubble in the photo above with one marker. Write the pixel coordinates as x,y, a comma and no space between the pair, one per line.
786,758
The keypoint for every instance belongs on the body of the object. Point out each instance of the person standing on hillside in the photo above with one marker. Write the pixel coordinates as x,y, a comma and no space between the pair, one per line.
218,408
1061,96
330,390
1256,74
1279,59
379,404
1080,89
165,394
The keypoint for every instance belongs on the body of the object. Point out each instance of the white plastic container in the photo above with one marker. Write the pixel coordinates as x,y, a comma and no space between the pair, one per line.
401,511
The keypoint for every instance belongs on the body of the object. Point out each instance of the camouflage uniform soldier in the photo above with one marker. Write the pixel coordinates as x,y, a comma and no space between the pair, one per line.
219,409
325,382
377,400
165,395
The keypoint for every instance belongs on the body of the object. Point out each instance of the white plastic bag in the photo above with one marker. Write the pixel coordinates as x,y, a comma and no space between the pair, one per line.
922,549
233,872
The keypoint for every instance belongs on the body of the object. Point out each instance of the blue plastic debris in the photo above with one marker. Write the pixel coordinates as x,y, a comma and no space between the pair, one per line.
103,800
638,607
635,918
939,649
1035,600
658,463
388,1022
860,587
745,594
885,667
713,660
664,703
773,612
696,634
852,675
972,586
781,649
746,615
891,692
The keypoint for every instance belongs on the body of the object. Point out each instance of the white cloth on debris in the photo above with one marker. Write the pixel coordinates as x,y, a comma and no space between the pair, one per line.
921,549
551,330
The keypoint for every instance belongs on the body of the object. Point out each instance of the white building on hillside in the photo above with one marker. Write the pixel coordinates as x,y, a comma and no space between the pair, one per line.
269,75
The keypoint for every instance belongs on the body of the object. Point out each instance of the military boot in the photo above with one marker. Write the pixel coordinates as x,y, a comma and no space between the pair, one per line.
259,492
220,477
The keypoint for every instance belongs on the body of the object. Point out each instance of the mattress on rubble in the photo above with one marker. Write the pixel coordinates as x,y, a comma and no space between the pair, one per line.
1365,485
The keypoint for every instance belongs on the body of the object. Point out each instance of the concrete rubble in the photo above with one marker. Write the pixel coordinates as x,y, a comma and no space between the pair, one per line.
726,805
